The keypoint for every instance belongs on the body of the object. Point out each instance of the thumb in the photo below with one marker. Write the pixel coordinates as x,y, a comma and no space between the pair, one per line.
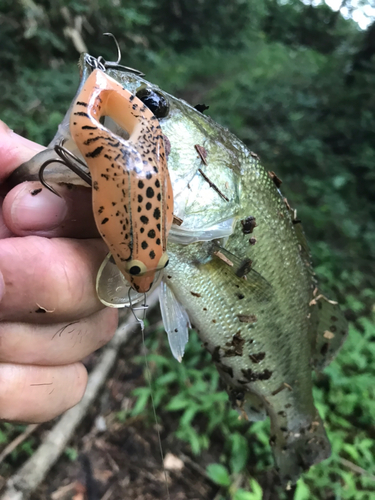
14,150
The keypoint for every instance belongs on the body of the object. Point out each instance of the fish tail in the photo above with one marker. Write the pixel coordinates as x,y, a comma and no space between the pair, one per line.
296,450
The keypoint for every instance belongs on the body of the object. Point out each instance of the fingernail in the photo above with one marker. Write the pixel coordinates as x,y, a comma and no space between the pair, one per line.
37,209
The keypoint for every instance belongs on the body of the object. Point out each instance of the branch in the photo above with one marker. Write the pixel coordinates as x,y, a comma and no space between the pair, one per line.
355,468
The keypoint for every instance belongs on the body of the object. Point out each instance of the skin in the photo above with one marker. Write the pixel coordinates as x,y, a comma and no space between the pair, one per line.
41,373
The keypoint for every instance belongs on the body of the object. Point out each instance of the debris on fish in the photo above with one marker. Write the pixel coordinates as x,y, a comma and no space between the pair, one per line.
254,302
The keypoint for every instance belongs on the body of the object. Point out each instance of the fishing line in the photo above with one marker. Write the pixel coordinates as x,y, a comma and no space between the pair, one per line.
141,323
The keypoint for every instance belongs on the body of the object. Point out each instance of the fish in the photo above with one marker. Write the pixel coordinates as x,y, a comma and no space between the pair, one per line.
239,272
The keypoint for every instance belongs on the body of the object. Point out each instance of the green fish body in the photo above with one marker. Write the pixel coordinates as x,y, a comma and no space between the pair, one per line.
239,270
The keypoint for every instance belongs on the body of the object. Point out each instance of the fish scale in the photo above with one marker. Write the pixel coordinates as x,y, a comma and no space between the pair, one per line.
281,381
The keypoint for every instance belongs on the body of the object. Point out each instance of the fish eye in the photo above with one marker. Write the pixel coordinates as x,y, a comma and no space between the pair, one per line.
155,101
136,268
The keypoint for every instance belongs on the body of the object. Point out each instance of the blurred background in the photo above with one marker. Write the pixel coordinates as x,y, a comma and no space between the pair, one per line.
295,81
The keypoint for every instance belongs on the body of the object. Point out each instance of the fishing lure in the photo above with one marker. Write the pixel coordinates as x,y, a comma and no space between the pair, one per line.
132,194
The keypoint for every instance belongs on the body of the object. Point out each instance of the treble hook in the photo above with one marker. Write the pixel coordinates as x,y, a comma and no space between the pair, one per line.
66,158
41,171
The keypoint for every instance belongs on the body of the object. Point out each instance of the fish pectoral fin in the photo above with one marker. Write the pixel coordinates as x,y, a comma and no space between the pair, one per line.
176,321
328,328
185,236
242,268
112,287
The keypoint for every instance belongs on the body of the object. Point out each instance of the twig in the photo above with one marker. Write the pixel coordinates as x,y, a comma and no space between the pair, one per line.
63,491
16,442
32,473
194,465
107,495
355,468
212,185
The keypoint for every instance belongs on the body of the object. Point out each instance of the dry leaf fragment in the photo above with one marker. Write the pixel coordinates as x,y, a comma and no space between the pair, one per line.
223,258
275,179
177,220
247,318
171,462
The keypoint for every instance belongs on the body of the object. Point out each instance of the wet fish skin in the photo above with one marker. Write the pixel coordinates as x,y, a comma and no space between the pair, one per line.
268,330
269,360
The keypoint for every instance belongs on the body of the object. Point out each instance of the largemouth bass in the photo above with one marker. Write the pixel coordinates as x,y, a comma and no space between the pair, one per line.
239,270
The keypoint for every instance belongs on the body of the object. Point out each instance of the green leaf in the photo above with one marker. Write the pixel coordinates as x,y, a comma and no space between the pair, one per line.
179,402
302,491
71,453
245,495
143,394
256,489
239,452
219,474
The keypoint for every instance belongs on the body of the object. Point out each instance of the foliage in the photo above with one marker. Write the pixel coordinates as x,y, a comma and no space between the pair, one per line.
296,84
189,391
71,453
219,475
8,432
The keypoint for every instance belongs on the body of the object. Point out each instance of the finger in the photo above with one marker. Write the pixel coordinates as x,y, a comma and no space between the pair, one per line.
49,280
30,208
39,393
56,344
14,150
47,215
5,232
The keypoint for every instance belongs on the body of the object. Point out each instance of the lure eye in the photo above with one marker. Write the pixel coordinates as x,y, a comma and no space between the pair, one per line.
163,262
155,101
136,268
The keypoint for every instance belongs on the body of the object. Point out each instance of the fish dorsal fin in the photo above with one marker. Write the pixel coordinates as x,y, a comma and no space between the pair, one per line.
330,329
176,321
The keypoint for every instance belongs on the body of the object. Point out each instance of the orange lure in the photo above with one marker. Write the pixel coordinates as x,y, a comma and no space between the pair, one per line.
132,193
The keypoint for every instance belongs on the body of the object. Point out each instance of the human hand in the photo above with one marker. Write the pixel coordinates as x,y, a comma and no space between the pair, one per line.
50,317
